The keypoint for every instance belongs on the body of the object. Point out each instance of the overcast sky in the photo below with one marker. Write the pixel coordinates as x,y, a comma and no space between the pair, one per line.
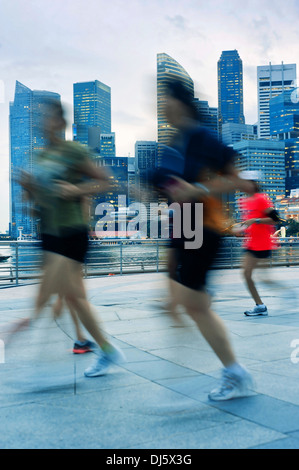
50,44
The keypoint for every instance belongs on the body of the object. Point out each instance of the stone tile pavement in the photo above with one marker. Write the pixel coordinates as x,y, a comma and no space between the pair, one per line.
158,399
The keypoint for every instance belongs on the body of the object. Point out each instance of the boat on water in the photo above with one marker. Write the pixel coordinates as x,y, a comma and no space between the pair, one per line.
4,258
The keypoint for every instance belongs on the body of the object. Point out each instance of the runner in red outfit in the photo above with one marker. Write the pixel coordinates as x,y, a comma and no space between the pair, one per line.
259,219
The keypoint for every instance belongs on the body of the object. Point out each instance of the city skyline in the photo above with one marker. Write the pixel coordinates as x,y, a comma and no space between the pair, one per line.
72,42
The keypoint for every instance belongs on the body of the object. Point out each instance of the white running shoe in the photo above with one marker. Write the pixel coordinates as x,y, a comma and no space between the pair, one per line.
258,310
104,361
233,386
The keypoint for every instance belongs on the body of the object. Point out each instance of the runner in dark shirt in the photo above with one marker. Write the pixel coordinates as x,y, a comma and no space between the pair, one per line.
208,172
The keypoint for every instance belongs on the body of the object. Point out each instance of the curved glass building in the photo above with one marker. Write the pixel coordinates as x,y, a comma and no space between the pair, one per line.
168,69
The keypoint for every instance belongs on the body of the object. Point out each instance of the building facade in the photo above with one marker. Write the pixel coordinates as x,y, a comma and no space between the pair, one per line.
208,115
117,169
268,158
233,133
132,180
107,145
291,164
272,80
145,157
284,115
284,126
92,111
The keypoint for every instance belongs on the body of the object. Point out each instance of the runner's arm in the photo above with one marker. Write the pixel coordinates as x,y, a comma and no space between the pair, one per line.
272,220
228,182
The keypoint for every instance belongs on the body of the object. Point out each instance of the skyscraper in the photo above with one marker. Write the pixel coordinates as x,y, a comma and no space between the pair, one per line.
92,110
272,80
230,89
168,69
26,138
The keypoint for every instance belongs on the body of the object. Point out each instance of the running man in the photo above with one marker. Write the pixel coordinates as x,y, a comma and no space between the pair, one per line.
65,175
259,221
208,173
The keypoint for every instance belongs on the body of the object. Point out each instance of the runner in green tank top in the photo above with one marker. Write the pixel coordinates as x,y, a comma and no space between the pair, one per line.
64,175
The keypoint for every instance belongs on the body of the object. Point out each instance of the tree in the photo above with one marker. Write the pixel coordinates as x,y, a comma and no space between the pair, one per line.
292,228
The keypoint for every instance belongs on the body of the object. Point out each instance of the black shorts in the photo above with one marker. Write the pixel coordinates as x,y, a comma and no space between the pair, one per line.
192,266
73,246
262,254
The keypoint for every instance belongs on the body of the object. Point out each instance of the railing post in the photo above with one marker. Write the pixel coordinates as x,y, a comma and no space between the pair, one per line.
121,257
157,259
17,264
271,259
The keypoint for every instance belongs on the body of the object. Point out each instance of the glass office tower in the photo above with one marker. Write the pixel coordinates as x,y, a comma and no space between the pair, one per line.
168,69
26,138
230,89
92,110
284,125
284,115
272,81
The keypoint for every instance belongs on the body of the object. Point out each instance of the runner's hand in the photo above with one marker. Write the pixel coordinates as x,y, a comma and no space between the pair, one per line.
181,191
248,222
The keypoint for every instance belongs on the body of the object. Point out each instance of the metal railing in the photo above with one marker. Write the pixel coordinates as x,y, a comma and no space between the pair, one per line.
117,256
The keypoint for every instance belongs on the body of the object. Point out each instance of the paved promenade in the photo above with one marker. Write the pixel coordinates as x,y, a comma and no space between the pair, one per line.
158,399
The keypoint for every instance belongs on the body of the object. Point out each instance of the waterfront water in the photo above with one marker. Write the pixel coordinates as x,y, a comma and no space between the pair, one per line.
102,258
120,257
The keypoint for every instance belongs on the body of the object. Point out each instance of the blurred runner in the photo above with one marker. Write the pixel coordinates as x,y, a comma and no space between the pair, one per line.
259,219
208,173
64,176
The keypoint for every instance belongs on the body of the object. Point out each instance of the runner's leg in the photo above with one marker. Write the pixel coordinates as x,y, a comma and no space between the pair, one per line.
249,265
